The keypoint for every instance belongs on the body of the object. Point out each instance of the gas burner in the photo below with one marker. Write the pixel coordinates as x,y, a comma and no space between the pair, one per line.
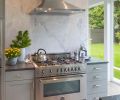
59,61
67,61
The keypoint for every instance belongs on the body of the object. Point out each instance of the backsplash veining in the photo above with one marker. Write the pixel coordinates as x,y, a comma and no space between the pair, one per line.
54,33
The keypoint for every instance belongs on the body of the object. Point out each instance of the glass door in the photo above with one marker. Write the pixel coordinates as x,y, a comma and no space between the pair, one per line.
116,45
96,28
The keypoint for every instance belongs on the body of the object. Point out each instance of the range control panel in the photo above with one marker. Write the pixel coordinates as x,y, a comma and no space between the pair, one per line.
57,70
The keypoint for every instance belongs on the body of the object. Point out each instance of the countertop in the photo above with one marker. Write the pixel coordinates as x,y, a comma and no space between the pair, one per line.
25,66
21,66
95,61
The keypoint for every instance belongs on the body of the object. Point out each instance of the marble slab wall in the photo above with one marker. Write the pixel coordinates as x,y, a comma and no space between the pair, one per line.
54,33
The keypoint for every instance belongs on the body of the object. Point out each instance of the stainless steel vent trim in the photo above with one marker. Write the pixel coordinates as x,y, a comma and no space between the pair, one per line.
55,7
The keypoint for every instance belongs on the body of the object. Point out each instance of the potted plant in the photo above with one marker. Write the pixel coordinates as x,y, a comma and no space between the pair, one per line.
22,41
11,55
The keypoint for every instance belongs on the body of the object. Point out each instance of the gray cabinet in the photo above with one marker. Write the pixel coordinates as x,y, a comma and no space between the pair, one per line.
20,85
96,80
2,5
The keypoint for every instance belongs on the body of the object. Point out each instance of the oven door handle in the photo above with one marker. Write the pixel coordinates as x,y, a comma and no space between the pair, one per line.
62,78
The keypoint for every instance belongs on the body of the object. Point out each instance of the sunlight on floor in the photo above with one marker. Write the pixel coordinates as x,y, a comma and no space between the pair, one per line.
113,88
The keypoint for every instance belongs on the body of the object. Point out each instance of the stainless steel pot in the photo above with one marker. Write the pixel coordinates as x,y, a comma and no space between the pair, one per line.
41,55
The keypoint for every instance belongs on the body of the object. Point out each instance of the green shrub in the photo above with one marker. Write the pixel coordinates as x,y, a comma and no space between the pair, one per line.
22,40
117,36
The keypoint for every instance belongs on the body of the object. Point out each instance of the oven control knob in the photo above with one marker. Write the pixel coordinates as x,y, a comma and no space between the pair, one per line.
43,71
50,70
65,69
72,69
57,70
79,69
75,68
68,69
61,70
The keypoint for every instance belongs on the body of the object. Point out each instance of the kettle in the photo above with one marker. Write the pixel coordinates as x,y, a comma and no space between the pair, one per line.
82,52
41,55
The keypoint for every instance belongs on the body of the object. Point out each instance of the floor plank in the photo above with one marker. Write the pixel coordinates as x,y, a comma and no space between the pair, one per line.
113,88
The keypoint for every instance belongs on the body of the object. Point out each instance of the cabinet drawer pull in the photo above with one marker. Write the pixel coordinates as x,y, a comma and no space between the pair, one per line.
96,77
96,68
96,98
95,86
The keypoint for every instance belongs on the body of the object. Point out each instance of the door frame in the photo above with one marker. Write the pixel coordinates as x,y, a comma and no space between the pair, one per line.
108,33
108,36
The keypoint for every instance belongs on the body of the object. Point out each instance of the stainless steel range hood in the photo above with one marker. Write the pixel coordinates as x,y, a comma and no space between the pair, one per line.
55,7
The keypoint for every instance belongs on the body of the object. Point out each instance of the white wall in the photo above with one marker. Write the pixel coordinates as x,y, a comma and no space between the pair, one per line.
54,33
79,3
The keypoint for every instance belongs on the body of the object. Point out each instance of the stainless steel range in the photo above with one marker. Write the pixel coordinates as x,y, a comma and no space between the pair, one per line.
60,78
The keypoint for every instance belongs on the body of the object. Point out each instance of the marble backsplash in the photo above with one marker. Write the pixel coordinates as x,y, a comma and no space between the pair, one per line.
54,33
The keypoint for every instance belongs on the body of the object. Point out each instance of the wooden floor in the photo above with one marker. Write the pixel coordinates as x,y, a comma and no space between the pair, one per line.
113,88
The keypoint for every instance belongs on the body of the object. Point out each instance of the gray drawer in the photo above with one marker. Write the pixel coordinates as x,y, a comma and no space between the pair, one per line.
19,75
96,87
92,77
97,68
96,96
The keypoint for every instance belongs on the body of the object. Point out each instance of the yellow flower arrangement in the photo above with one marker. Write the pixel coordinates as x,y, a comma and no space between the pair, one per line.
12,52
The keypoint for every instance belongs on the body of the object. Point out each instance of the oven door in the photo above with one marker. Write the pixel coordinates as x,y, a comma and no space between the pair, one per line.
61,88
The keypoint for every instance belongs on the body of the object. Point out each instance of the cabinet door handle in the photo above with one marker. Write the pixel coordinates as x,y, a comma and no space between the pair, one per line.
96,77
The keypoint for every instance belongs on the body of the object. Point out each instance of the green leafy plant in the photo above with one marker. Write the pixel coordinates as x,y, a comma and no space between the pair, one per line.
117,35
22,40
96,17
12,52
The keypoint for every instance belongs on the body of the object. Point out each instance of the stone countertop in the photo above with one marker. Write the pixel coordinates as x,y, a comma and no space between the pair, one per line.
113,97
30,66
95,61
21,66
